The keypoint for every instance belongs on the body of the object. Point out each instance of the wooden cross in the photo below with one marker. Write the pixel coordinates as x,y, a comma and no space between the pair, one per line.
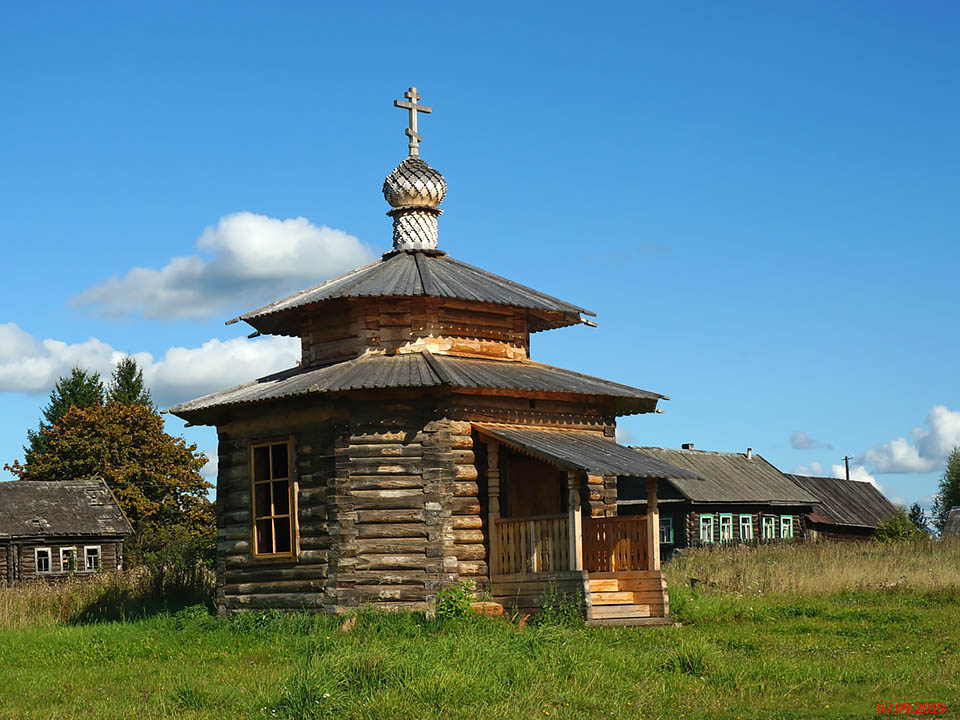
411,104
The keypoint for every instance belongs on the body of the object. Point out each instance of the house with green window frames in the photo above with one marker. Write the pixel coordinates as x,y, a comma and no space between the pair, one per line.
742,499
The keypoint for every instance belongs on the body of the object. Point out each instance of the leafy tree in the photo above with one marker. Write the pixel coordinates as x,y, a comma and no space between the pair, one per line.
81,389
154,476
949,490
127,386
919,518
897,528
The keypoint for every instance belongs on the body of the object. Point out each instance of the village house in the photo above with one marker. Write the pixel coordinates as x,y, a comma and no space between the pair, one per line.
952,527
58,529
741,498
417,445
845,509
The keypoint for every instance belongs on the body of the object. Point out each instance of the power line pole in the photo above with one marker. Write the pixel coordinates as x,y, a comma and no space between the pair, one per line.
846,463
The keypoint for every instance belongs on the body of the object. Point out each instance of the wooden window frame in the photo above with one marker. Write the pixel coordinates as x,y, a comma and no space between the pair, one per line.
747,524
36,560
666,523
726,516
705,516
63,567
99,562
786,521
291,513
763,528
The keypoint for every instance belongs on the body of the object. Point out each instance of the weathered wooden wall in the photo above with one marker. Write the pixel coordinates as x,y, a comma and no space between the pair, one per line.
22,552
526,593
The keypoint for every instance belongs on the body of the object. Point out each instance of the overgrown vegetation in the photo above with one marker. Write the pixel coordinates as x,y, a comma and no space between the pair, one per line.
832,647
948,491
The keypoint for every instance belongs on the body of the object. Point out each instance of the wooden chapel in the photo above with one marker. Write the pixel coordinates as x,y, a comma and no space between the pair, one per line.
417,445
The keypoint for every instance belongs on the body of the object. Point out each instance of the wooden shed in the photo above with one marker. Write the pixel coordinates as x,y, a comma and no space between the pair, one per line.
417,445
58,529
845,509
952,527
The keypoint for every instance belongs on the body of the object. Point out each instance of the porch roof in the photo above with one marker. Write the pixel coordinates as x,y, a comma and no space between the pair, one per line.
583,451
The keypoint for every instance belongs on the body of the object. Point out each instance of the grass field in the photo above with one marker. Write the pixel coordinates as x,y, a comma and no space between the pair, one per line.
745,650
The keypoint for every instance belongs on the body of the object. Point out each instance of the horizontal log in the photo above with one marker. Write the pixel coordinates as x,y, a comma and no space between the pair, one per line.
465,506
315,542
395,593
388,499
258,573
465,522
233,532
369,450
396,546
386,466
468,537
463,457
385,482
284,601
389,516
388,437
467,568
461,441
233,547
390,562
317,585
466,489
466,472
469,552
392,530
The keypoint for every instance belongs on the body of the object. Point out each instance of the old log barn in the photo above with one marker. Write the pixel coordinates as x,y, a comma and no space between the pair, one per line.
52,530
417,445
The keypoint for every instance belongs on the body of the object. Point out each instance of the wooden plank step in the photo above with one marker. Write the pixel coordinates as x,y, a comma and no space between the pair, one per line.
631,622
627,611
612,585
611,598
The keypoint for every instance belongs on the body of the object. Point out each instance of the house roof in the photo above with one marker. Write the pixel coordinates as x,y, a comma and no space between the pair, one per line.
426,274
71,507
846,502
731,478
584,451
952,526
421,370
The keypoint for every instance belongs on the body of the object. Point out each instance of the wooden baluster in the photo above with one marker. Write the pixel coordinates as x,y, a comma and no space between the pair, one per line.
493,507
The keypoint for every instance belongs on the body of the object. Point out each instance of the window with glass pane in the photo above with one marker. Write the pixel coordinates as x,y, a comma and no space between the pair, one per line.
786,526
43,560
68,559
746,528
91,558
769,528
726,528
666,529
706,529
272,520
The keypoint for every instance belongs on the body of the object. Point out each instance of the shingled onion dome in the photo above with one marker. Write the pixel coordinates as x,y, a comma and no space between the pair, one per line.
414,190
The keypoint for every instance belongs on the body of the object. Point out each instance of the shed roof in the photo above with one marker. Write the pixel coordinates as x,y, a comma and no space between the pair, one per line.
731,478
419,273
584,451
952,526
420,370
846,502
66,508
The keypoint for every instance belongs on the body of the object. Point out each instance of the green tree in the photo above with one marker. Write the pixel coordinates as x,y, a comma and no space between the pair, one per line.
948,494
127,386
81,389
897,528
919,518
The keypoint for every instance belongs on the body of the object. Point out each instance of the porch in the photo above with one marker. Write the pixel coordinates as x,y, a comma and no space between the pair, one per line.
559,533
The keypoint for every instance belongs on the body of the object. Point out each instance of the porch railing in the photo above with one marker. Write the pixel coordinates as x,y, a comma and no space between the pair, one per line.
529,545
615,544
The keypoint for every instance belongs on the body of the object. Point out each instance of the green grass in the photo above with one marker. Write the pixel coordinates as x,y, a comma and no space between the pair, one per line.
833,656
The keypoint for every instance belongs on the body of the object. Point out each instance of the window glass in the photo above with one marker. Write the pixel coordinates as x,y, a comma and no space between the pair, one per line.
272,516
281,527
261,492
261,463
68,559
769,528
666,529
91,558
706,528
746,528
726,528
786,526
279,466
43,560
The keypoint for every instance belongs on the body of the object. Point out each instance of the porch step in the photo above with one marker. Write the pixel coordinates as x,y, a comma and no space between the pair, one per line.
632,622
611,598
629,598
610,612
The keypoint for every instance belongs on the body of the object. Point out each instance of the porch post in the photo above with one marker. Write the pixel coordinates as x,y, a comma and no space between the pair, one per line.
493,504
653,526
574,524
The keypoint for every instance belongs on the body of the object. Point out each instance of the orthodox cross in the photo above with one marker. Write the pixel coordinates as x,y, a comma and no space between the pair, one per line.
411,104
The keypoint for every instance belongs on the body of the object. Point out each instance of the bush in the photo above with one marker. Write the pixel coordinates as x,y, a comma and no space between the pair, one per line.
454,601
897,528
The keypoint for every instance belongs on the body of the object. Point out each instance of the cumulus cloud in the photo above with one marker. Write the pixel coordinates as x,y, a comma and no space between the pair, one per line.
30,365
800,440
814,469
250,259
925,450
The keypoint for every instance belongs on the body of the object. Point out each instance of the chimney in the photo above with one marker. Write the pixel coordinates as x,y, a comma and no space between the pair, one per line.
749,453
687,446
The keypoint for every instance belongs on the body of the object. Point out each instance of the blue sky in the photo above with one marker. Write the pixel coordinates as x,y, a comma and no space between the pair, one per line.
758,199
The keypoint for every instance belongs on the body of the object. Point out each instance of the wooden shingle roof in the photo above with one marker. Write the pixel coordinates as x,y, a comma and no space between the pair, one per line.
731,478
846,502
420,370
67,508
420,274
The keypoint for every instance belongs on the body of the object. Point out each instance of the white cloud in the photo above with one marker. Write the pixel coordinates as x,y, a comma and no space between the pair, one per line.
815,469
255,259
857,472
925,451
800,440
30,365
